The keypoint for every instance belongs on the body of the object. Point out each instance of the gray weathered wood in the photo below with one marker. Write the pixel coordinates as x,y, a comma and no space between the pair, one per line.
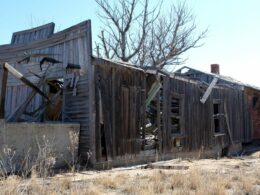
152,92
208,91
227,122
20,76
20,110
40,32
72,45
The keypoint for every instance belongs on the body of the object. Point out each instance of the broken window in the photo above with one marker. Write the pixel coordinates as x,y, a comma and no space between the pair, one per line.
54,90
175,114
217,116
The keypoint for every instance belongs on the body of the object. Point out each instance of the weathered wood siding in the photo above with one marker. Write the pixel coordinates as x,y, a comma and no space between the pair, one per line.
253,100
197,121
27,36
72,45
122,93
232,85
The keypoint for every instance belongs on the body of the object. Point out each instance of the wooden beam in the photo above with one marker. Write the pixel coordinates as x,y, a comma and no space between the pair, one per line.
159,125
20,77
113,91
20,110
43,107
152,92
227,122
106,108
208,91
3,92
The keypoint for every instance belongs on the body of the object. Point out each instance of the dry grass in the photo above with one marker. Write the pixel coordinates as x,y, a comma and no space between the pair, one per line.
155,182
111,182
248,185
195,181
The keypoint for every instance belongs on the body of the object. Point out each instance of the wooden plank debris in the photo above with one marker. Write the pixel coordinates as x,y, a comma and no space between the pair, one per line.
209,89
20,77
172,167
20,110
153,91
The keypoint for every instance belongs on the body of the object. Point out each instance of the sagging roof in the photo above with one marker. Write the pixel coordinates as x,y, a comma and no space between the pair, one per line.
195,74
104,62
149,70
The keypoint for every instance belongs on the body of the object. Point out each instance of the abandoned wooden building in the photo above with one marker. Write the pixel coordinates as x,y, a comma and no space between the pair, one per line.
250,96
127,114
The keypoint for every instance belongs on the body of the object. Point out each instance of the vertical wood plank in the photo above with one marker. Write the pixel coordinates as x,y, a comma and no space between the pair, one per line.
3,92
99,115
113,75
159,125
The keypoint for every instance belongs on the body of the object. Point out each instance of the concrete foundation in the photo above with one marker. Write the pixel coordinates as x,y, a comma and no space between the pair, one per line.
24,144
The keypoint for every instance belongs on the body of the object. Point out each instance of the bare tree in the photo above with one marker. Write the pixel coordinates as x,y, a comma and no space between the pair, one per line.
134,32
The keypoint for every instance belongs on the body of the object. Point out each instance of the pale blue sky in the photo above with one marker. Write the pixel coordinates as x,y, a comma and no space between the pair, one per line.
232,41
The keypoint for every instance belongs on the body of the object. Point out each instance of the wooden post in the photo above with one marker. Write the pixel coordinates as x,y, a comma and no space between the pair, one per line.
227,121
3,92
159,125
113,82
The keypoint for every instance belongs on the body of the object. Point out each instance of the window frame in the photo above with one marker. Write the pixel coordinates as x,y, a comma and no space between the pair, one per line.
180,117
219,116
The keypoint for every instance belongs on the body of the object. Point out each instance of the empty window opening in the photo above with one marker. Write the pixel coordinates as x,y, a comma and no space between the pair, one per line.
175,107
175,115
54,90
217,116
216,108
154,122
216,125
175,126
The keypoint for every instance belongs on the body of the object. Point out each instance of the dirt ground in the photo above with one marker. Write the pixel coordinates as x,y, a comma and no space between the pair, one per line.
236,175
